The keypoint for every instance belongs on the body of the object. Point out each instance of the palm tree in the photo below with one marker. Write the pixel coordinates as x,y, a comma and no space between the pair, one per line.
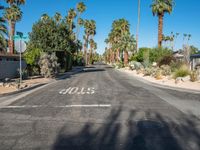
16,2
90,30
45,17
70,19
80,7
3,32
57,17
13,14
127,44
159,8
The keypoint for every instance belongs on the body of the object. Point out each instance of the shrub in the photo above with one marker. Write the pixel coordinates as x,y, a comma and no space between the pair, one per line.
166,60
135,65
183,71
166,70
48,65
158,74
157,54
194,76
176,65
148,72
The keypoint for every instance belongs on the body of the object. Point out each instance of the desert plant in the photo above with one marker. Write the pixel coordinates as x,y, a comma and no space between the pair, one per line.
135,65
148,71
48,65
158,74
183,71
194,76
166,70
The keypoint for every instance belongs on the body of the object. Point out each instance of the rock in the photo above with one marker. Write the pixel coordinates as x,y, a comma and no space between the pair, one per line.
7,85
184,79
154,64
1,84
178,80
7,79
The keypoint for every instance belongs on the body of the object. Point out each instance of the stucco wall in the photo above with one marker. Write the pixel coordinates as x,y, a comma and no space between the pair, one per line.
9,69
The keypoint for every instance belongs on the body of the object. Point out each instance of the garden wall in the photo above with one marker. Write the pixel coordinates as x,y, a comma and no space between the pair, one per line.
9,69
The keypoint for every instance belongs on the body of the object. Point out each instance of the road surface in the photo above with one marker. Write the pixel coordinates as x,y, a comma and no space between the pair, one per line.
100,109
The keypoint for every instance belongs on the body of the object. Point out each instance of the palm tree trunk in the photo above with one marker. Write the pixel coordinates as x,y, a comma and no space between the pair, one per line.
85,49
125,58
160,29
11,41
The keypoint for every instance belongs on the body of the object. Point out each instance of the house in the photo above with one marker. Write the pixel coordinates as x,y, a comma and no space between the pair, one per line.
195,61
9,65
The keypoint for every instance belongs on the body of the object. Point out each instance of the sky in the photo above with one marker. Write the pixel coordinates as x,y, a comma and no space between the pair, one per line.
184,18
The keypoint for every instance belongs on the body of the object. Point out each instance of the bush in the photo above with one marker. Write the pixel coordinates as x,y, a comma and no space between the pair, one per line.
183,71
157,54
166,70
194,76
166,60
48,65
176,65
135,65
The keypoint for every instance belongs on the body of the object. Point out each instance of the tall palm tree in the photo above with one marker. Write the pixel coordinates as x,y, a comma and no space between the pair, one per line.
70,18
13,14
16,2
159,8
80,7
45,17
3,31
57,17
90,30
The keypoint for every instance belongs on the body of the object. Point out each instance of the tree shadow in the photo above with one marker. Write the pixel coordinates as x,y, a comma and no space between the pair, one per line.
150,134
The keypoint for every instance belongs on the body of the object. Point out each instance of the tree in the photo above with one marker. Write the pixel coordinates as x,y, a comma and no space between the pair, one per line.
80,7
57,17
90,30
159,8
13,14
3,32
128,44
16,2
70,19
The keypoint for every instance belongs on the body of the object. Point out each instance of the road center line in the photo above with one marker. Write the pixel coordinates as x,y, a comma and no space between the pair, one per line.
65,106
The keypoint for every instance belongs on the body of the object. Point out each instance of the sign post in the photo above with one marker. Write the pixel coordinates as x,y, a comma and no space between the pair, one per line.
20,37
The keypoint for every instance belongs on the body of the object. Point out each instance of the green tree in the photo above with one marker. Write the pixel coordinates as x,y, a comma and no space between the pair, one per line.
3,31
159,8
90,30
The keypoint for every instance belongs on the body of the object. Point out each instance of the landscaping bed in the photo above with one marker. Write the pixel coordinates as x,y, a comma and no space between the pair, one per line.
13,85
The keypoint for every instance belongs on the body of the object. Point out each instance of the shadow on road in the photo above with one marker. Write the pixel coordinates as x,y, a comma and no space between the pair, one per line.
156,134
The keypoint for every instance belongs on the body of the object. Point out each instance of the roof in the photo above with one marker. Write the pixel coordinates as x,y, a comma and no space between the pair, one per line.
195,56
8,55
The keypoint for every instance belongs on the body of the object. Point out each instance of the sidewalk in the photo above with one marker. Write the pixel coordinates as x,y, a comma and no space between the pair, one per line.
186,86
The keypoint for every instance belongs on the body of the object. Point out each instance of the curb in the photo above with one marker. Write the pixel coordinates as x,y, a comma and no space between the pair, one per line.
163,86
23,90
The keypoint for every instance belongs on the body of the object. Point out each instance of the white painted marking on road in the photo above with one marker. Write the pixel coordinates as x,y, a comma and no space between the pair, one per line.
77,90
66,106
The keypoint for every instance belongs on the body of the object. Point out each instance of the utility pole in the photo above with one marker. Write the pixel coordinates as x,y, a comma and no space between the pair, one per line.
138,26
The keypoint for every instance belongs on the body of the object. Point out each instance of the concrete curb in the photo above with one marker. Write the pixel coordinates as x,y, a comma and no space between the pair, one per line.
163,86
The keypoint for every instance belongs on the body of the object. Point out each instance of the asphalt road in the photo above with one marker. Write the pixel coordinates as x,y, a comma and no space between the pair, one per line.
100,109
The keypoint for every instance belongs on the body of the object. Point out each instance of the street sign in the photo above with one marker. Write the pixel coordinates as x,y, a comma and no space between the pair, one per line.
20,34
20,48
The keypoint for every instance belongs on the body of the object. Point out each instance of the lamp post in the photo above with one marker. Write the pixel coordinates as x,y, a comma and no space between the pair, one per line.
138,25
19,36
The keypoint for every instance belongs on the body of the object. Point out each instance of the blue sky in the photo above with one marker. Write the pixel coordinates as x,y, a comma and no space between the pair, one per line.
184,19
